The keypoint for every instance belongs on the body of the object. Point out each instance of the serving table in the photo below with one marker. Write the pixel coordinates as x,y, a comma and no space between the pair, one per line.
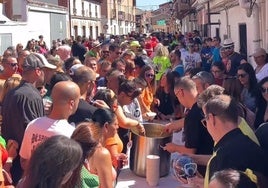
127,179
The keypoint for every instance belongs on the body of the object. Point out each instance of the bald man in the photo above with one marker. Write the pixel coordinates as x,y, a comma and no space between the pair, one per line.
65,96
85,78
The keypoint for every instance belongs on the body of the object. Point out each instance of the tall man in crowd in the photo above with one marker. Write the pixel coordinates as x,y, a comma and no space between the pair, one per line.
85,78
65,96
23,104
196,137
232,148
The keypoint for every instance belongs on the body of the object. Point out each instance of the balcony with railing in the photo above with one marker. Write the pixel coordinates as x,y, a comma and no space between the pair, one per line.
184,7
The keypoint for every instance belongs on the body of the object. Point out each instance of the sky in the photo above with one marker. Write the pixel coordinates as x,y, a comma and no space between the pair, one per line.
149,4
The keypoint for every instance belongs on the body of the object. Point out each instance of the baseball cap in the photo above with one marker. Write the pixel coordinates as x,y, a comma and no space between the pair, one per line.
36,60
135,43
258,52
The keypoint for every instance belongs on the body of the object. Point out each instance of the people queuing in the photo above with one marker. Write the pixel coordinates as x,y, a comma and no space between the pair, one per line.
94,91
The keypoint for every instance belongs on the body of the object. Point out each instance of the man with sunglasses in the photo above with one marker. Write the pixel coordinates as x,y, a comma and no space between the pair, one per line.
85,78
235,59
24,103
10,67
115,52
196,137
232,148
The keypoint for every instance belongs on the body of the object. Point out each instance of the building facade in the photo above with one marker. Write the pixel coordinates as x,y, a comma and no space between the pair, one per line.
118,16
85,16
21,21
143,21
245,21
164,18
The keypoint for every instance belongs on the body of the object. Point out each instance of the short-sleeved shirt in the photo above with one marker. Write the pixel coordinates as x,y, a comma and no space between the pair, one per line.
162,63
190,60
147,96
216,54
237,151
39,130
20,106
84,111
166,103
263,72
196,135
179,69
133,110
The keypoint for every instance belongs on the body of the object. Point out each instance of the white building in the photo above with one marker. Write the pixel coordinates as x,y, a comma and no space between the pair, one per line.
245,21
118,16
28,19
85,18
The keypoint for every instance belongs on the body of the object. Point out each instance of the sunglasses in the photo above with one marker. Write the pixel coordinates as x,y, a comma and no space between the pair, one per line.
13,64
228,48
264,90
105,52
241,75
149,75
204,121
118,53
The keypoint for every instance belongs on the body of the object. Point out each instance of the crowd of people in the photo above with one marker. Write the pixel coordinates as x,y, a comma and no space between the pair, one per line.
66,112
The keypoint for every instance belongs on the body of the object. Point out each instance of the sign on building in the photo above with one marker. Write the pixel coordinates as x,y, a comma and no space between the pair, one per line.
161,22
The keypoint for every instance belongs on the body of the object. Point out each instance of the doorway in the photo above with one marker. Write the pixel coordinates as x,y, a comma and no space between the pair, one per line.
243,40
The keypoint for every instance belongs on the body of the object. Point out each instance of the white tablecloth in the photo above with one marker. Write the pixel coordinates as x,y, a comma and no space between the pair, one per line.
127,179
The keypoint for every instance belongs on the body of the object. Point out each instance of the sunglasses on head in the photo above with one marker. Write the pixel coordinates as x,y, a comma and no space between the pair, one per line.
241,75
149,75
264,90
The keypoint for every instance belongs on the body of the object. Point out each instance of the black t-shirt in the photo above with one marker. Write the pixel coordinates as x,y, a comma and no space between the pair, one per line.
20,106
84,110
237,151
196,135
165,106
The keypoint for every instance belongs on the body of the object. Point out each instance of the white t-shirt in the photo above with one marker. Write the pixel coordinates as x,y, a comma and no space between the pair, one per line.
190,60
133,110
40,129
262,73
